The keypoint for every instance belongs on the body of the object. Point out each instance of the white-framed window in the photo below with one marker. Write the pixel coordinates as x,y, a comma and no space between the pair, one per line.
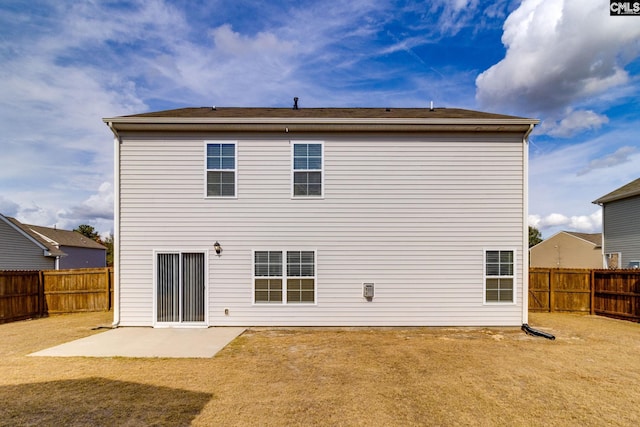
634,264
499,275
221,168
613,260
307,169
284,277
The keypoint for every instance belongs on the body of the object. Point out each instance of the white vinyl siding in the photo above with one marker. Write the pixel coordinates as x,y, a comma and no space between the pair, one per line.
621,233
18,252
412,214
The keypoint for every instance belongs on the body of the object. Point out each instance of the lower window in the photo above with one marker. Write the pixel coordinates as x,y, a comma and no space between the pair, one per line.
499,275
284,277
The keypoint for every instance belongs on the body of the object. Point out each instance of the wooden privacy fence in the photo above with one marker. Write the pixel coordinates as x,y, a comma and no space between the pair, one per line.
552,289
25,294
612,293
616,293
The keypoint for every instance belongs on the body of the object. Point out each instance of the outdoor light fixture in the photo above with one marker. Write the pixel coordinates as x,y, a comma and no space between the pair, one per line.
217,248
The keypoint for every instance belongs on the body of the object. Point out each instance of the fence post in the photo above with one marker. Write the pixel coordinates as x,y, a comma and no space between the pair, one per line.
108,290
592,286
41,297
552,297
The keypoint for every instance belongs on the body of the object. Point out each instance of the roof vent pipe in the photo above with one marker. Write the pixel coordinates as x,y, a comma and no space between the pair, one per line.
295,103
431,106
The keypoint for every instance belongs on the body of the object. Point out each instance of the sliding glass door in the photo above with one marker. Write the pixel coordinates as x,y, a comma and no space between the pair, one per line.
180,287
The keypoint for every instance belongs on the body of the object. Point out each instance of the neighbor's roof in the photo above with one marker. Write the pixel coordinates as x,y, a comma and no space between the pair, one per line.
40,240
66,238
629,190
595,238
314,119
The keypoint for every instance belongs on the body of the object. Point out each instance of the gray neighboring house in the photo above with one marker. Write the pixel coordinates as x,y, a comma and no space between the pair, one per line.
621,226
31,247
21,249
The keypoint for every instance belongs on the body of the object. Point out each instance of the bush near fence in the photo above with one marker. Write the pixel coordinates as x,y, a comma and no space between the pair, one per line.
27,294
611,293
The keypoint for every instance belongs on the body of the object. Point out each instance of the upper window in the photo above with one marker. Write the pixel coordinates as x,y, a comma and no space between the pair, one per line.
221,169
285,279
307,169
499,276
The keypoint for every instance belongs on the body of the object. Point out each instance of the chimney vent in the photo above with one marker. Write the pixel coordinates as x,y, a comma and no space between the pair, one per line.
295,103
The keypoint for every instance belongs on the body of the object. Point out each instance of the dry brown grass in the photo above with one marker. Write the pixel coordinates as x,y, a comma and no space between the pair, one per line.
590,375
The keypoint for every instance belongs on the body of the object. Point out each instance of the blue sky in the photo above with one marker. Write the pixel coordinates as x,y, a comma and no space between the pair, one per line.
64,65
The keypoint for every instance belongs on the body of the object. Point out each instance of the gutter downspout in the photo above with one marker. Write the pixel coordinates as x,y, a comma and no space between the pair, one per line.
525,221
116,225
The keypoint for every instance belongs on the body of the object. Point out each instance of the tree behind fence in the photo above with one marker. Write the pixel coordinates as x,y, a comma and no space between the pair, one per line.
26,294
612,293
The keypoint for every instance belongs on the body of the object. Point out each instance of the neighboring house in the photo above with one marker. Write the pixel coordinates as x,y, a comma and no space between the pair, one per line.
21,249
567,249
336,216
31,247
81,251
621,226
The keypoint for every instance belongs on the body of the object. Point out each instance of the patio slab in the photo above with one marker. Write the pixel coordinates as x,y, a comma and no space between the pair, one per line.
148,342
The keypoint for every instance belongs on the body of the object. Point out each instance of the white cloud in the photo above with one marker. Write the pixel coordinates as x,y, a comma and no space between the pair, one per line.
620,156
98,206
559,52
555,222
8,207
574,122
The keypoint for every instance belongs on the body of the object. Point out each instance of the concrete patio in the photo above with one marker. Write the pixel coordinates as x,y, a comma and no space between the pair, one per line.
148,342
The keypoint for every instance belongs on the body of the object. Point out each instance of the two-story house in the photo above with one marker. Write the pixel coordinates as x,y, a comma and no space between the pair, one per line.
320,216
621,226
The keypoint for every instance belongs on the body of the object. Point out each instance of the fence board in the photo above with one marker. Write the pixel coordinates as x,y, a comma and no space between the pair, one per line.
26,294
563,290
539,290
71,291
611,293
19,295
617,294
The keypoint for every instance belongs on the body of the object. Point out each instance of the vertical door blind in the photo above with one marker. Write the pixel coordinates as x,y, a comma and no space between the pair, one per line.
180,287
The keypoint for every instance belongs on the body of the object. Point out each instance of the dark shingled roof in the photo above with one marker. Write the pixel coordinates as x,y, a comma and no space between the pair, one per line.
338,113
66,238
51,247
629,190
595,238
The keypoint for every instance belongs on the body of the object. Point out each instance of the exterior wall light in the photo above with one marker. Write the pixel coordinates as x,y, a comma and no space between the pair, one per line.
217,248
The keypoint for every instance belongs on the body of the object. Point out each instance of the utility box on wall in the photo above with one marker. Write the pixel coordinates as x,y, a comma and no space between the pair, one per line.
367,291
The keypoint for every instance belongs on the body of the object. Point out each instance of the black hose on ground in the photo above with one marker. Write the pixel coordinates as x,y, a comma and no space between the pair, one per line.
530,331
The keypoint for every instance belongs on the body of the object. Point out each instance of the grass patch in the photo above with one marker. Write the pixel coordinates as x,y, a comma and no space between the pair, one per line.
590,375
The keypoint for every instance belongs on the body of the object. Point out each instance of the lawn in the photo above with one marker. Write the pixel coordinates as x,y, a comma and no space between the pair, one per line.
590,375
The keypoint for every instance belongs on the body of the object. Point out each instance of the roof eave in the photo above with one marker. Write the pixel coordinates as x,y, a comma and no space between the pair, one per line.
605,199
279,124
